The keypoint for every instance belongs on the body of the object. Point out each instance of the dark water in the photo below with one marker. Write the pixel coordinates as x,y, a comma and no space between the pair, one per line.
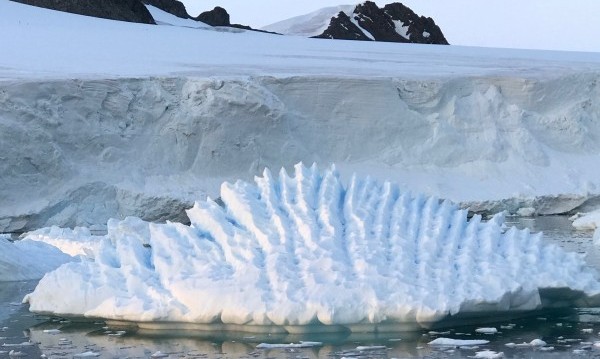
569,334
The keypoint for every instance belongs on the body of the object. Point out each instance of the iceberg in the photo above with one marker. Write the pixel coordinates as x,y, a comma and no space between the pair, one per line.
309,253
28,260
588,221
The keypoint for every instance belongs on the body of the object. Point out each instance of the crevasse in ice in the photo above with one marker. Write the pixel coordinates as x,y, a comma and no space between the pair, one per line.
306,251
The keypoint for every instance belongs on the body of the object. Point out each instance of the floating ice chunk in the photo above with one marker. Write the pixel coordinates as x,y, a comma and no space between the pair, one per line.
537,343
23,344
159,354
118,333
288,346
488,354
371,347
306,253
16,354
526,212
589,221
533,343
52,331
486,330
88,354
457,342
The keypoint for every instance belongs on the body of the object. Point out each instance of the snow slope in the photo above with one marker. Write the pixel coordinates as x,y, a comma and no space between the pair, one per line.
74,46
164,18
306,253
311,24
102,119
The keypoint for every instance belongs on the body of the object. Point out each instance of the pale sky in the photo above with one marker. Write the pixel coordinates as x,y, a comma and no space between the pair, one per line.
541,24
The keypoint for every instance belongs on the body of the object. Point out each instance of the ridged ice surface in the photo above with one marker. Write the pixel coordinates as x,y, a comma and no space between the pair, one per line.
306,250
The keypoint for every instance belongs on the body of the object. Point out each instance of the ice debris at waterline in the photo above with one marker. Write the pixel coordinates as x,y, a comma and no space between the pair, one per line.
306,253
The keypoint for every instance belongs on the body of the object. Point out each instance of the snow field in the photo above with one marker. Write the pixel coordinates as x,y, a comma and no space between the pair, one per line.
306,252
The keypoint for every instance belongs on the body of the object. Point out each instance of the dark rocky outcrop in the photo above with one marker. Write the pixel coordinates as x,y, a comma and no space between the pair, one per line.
215,17
123,10
220,17
135,10
394,23
341,27
173,7
421,29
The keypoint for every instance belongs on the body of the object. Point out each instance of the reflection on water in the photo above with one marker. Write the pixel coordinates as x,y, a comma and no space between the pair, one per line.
568,334
559,230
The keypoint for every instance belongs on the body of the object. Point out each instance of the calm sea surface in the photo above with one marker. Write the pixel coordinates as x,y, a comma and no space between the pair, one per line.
567,335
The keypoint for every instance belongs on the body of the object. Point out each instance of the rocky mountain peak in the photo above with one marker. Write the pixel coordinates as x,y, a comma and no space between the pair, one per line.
393,23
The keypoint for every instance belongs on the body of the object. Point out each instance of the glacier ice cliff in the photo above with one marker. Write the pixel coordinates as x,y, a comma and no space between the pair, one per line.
309,253
78,152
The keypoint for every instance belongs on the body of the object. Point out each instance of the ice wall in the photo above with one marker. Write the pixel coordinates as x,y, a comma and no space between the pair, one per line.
77,152
307,253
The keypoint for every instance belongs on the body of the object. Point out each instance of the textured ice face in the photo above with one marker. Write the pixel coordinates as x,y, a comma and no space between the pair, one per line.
308,251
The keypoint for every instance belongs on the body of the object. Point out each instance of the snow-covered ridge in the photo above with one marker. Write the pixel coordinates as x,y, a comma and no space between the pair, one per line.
311,24
307,253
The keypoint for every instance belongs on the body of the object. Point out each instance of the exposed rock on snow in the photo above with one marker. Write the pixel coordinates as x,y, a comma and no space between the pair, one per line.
343,28
123,10
220,17
393,23
306,253
418,29
27,260
215,17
